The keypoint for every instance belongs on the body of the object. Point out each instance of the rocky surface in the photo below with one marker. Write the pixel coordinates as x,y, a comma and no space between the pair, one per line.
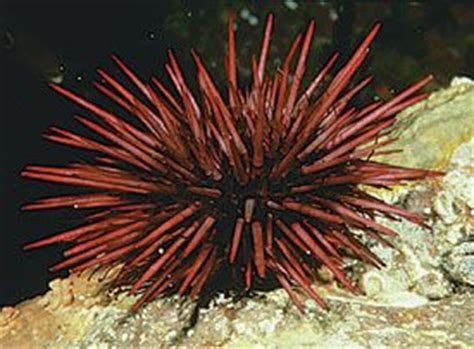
431,130
423,298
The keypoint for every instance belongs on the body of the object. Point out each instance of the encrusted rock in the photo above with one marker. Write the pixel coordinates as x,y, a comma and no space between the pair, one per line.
433,285
459,263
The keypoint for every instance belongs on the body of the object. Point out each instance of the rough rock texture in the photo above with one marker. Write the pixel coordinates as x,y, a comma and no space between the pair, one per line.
430,131
418,300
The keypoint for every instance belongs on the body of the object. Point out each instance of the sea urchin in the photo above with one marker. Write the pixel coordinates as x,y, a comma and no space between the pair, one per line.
260,185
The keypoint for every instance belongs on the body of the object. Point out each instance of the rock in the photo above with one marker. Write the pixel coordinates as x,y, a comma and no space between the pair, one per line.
76,311
433,285
459,263
430,131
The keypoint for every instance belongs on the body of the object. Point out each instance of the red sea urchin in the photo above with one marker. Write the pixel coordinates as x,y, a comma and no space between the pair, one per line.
262,185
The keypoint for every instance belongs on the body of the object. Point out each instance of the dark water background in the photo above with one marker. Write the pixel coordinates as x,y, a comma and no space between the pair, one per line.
65,41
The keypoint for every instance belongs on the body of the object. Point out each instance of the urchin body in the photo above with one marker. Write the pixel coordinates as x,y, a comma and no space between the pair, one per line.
253,185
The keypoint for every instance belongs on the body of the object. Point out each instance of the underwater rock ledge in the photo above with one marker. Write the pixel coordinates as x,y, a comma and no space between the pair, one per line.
417,300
